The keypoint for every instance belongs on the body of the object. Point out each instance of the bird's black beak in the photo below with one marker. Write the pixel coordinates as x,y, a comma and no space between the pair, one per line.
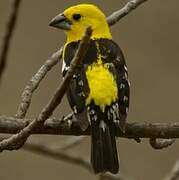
61,22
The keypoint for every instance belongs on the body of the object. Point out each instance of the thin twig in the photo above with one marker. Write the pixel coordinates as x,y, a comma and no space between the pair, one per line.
66,157
10,125
34,82
174,174
117,15
71,143
16,141
8,34
57,155
161,143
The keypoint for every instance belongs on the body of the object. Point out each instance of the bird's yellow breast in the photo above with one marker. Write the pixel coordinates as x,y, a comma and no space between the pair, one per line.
103,87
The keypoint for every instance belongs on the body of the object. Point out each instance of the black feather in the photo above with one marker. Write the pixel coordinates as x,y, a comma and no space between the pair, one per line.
103,144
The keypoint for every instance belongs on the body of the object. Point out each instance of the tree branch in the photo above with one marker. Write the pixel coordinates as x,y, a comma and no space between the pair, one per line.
8,34
71,143
117,15
174,174
34,82
66,157
16,141
161,143
10,125
57,155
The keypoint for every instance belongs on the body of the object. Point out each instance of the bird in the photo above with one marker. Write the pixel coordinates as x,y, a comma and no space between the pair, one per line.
99,90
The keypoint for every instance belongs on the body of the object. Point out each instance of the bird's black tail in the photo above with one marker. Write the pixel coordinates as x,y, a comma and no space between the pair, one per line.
104,155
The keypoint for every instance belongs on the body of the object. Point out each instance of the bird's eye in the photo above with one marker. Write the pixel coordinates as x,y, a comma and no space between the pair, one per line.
76,17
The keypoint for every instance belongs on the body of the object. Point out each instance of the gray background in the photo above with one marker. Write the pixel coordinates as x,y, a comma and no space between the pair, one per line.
149,39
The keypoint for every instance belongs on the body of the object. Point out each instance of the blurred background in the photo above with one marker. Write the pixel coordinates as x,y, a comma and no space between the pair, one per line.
149,39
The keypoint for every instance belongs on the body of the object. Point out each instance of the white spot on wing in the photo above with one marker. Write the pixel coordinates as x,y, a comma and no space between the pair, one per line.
92,112
125,98
128,82
64,67
74,76
102,125
118,58
127,110
104,57
81,94
75,109
89,118
125,67
80,83
95,118
122,86
92,115
116,121
117,110
125,75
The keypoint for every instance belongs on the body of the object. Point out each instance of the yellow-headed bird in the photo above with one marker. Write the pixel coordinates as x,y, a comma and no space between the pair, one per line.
99,91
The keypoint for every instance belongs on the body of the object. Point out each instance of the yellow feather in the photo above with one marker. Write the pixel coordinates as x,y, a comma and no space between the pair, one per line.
103,87
91,16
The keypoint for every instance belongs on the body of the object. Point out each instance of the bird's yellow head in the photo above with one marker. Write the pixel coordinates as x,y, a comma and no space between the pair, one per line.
76,19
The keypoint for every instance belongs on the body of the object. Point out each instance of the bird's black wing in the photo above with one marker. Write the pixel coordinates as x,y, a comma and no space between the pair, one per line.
123,87
113,57
78,89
